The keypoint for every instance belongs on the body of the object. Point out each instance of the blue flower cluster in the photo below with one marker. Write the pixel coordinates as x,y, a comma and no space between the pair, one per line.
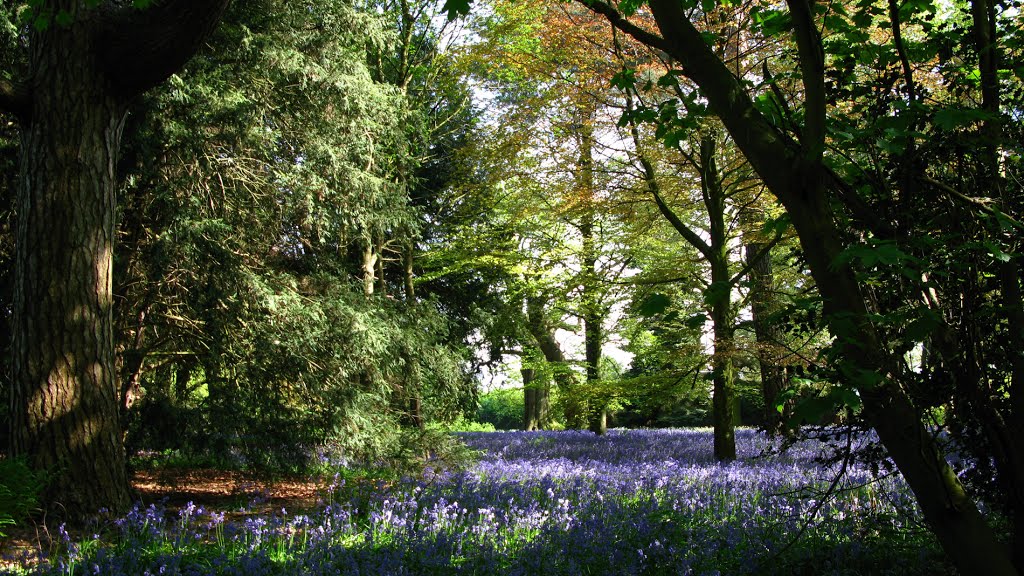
556,503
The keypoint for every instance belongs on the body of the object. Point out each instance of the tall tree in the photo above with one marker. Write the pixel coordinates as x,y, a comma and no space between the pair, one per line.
86,61
788,151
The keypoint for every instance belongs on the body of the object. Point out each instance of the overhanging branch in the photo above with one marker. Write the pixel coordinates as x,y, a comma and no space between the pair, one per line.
618,20
141,48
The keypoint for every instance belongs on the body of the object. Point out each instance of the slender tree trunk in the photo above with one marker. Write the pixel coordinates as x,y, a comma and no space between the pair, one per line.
382,285
369,269
530,420
1010,431
65,401
593,319
719,297
408,256
763,304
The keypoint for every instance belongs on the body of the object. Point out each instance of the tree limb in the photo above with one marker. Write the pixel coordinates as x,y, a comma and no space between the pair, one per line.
812,68
619,21
141,48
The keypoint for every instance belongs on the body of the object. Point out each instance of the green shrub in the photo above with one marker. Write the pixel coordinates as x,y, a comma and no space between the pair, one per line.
462,425
502,408
20,488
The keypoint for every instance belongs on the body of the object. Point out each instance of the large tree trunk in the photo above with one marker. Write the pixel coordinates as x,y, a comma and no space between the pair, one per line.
530,412
65,401
796,178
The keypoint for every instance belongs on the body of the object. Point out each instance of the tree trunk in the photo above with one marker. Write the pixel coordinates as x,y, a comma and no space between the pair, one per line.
563,377
408,256
65,401
369,269
794,174
81,75
591,298
530,417
719,298
382,285
763,304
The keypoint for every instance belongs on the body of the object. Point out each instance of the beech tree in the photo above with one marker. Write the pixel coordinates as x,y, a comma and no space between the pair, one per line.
828,194
85,61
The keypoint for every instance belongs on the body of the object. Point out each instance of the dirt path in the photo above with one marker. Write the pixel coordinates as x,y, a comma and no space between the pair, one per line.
237,494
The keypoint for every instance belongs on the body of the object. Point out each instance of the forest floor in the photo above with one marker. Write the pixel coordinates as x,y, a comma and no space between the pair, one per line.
237,494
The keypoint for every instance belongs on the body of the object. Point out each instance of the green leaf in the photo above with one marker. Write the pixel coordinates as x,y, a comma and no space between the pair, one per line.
696,321
717,292
64,18
624,79
456,8
812,410
772,22
629,7
777,226
952,118
996,251
923,326
654,304
42,22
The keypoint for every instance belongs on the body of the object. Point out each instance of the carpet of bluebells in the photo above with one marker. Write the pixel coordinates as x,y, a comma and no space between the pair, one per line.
552,503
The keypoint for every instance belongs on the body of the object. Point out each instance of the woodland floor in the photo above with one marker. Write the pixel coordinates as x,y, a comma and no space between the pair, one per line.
237,494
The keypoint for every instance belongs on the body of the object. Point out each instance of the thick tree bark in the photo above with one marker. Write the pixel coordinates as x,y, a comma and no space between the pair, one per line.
65,401
531,421
65,396
795,175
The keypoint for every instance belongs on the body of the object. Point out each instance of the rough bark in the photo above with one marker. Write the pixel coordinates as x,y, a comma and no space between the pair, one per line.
369,268
794,174
530,417
81,76
65,409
